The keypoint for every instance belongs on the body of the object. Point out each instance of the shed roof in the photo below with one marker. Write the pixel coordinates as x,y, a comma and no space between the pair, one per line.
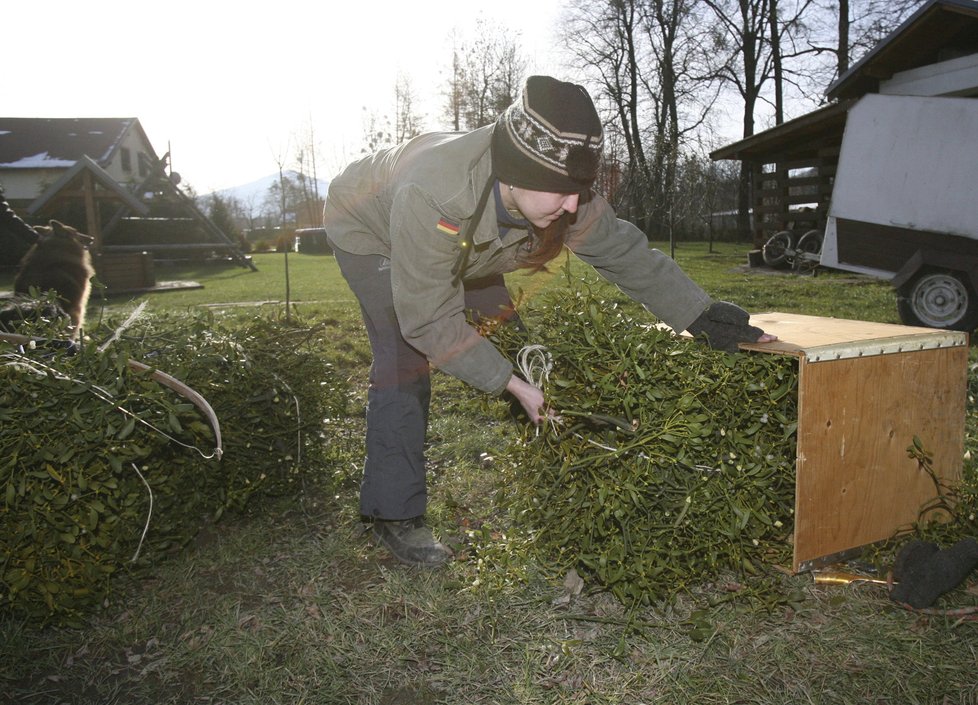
800,138
939,30
37,143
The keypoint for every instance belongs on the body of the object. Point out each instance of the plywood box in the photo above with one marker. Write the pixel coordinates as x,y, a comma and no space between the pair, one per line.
865,390
129,271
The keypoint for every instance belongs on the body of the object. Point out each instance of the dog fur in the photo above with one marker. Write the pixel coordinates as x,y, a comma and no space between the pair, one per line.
58,262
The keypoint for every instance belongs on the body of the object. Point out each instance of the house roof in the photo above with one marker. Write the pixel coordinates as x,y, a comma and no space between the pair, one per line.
939,30
38,143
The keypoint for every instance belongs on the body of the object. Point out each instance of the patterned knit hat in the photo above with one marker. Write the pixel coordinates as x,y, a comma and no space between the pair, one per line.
549,139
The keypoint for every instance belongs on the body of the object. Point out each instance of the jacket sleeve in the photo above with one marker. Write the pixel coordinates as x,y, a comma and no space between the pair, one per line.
12,223
430,307
620,252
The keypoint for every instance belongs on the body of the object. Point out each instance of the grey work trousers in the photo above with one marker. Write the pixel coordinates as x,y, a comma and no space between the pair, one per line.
394,483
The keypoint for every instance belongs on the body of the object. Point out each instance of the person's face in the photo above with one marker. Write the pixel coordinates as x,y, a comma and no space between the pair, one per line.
542,208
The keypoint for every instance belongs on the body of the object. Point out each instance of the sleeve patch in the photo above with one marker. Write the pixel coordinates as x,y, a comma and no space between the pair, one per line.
447,227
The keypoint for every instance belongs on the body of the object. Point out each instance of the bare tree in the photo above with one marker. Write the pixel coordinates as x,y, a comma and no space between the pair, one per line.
455,92
605,36
308,159
407,123
380,132
485,77
702,187
847,29
842,45
377,133
742,31
872,20
680,95
649,59
777,62
309,206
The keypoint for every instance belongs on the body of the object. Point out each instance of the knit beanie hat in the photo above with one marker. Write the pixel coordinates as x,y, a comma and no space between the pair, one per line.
549,139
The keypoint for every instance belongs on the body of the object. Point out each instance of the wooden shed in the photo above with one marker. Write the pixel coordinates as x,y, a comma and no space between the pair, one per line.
793,165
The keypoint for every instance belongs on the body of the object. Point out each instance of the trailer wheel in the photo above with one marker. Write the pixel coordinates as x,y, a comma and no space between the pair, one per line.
939,299
776,249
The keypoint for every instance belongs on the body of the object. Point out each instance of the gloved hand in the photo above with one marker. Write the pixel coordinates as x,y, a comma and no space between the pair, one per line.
725,324
924,571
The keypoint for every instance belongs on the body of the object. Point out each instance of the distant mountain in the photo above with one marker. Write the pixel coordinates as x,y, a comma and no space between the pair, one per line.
252,195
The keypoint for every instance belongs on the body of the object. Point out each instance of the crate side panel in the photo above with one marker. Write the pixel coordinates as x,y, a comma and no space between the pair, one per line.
855,483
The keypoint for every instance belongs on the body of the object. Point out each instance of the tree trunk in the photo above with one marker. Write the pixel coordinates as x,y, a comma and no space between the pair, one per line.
776,63
842,52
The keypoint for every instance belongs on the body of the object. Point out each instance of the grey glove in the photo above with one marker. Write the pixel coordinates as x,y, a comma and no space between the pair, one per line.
725,324
924,571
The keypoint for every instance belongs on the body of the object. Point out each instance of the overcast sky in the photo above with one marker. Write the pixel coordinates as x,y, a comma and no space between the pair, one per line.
229,87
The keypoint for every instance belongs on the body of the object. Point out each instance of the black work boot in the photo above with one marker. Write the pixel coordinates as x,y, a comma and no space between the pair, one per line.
411,542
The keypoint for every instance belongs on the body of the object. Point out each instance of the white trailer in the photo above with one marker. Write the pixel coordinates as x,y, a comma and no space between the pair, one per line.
904,204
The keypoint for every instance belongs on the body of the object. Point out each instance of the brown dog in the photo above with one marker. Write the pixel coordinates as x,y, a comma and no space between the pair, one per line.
59,261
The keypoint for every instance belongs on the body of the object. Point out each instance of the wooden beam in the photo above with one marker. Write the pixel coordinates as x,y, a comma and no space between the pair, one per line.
99,194
91,211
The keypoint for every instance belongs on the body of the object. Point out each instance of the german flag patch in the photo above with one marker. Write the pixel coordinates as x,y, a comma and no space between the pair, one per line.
447,227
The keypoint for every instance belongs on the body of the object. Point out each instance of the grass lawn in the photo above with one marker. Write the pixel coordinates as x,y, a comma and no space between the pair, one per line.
315,284
290,602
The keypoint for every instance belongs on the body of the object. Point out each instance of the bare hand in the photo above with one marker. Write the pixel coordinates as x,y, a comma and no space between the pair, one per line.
529,397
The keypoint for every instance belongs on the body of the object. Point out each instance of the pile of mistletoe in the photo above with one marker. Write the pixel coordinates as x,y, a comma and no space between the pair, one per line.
667,464
104,469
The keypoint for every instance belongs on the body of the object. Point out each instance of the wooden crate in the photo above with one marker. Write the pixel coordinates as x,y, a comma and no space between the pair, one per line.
125,271
864,391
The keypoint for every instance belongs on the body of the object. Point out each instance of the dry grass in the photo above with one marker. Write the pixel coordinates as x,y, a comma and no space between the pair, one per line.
293,605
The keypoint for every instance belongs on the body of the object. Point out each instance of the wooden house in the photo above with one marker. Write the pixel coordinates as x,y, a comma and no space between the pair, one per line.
36,152
103,176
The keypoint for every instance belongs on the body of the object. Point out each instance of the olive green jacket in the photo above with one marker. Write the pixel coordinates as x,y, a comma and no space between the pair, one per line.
409,203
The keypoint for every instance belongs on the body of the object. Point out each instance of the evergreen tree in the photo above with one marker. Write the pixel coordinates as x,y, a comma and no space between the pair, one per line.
220,214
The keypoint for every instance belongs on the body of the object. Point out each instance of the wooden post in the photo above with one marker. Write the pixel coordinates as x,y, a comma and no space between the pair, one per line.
91,211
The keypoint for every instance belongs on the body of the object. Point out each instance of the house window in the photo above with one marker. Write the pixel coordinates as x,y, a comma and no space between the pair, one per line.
126,157
143,162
